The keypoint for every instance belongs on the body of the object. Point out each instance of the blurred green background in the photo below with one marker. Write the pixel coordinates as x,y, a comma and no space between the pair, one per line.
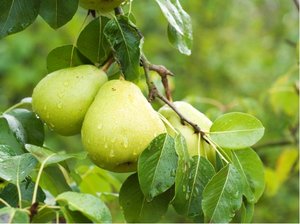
244,58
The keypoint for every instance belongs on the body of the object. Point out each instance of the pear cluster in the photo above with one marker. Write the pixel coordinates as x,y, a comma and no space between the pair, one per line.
115,119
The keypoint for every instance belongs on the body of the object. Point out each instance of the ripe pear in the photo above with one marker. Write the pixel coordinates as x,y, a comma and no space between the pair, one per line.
187,131
119,125
100,5
62,98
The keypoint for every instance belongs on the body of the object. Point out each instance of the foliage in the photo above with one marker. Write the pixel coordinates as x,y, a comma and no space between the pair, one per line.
166,175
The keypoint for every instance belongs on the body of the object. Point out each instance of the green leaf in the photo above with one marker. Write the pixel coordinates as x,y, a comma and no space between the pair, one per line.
13,215
251,170
247,212
236,130
96,180
8,138
125,41
157,166
272,182
180,25
189,187
5,152
135,206
64,57
57,13
53,180
92,42
74,216
283,94
285,163
16,168
10,193
44,215
184,162
90,206
16,15
222,196
48,157
33,126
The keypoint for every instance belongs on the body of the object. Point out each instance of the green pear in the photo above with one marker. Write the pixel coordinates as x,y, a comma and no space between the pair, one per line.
119,125
62,98
100,5
195,116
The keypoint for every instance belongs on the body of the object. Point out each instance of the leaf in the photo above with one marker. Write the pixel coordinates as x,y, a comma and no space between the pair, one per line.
222,196
92,42
135,206
272,182
157,166
48,157
247,212
90,206
16,15
53,180
16,168
189,188
8,138
10,193
285,163
45,215
184,162
13,215
56,12
64,57
283,94
236,130
180,25
96,180
5,152
251,170
73,216
33,126
125,41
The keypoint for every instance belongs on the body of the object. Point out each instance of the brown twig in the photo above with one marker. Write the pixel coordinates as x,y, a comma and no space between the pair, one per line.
118,11
164,73
106,66
153,93
275,143
92,13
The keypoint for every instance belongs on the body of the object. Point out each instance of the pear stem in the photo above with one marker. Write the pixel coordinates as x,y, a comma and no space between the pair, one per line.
154,93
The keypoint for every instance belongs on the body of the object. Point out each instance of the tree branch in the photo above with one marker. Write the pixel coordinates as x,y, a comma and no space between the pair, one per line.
274,143
164,73
297,4
106,66
153,93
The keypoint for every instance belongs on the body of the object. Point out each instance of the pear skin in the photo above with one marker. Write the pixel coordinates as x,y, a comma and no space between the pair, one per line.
62,98
119,125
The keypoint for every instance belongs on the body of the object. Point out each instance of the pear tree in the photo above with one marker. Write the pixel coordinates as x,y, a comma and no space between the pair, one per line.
172,157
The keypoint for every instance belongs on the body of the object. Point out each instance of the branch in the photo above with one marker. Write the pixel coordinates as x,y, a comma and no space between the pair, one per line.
106,66
118,11
153,93
274,143
297,4
164,73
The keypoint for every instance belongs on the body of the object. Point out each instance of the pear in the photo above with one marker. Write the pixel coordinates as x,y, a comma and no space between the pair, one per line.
119,125
100,5
62,98
195,116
